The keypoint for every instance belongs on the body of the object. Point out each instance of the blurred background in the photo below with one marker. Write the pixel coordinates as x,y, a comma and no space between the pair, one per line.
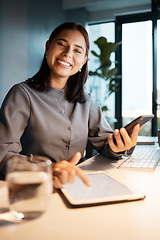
135,25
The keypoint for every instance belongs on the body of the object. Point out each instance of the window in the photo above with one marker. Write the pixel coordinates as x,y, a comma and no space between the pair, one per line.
137,72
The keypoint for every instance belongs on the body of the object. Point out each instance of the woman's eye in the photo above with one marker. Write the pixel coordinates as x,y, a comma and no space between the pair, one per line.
78,51
61,44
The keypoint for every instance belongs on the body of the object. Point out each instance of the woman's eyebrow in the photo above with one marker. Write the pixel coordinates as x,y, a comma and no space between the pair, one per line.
79,47
62,39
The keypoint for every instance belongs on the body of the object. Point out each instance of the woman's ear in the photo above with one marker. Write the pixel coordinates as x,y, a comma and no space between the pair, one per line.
85,60
47,46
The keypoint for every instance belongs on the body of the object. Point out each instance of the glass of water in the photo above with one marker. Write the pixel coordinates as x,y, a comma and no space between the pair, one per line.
30,185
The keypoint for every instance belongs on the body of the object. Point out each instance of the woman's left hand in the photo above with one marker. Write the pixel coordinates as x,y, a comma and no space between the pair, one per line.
123,139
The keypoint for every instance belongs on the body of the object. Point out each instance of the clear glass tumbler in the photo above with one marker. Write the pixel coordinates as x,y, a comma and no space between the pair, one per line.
30,185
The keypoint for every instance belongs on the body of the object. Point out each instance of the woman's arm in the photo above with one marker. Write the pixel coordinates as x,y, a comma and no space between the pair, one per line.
14,115
100,130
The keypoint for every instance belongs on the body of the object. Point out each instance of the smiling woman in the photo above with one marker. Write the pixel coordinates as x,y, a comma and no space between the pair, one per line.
74,89
52,115
66,55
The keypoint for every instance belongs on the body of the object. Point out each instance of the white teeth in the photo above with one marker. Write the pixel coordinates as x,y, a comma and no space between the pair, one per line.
64,63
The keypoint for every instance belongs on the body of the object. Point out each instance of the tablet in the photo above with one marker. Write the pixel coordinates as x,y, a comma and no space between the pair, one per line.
104,189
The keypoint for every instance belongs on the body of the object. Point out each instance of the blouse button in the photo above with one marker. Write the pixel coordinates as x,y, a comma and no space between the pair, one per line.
69,129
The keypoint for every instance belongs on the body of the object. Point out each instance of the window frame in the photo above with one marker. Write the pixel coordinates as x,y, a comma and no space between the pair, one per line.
118,36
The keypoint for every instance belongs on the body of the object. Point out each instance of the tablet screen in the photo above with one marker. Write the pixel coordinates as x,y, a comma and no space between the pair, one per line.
103,188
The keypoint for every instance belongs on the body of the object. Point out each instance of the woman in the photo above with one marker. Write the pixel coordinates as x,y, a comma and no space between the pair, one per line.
50,114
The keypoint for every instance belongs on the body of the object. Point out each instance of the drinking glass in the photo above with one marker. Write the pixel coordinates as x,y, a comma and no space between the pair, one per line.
30,185
159,137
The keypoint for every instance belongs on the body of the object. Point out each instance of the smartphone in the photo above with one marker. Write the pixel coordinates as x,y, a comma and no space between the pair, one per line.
141,120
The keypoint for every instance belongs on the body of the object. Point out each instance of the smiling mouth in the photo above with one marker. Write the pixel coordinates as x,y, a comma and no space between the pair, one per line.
64,63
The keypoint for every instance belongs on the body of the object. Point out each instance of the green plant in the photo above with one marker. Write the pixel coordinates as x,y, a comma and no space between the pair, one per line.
105,71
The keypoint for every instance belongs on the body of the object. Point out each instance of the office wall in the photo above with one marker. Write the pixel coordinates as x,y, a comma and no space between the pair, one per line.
24,28
0,48
42,19
13,43
78,15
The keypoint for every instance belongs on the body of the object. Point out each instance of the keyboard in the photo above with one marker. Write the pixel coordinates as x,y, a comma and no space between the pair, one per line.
142,158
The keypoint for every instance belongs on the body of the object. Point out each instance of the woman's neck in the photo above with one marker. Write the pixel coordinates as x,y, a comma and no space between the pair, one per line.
58,83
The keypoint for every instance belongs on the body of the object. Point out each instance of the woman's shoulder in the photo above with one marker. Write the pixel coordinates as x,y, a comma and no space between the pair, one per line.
17,95
22,87
18,86
19,90
90,98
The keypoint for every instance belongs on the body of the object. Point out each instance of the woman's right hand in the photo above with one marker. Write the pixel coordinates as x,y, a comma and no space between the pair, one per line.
65,171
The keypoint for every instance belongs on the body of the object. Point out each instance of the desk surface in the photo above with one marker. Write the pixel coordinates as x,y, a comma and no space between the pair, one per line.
132,220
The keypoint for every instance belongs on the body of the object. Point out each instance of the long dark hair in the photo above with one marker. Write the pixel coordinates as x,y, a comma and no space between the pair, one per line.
74,91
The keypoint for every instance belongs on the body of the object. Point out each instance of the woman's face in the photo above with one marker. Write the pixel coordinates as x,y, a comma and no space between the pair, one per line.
66,54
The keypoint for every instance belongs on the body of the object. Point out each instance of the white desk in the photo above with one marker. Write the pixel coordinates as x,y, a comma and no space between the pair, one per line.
139,220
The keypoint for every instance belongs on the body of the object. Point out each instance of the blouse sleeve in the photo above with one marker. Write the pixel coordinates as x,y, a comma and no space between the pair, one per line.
14,115
99,130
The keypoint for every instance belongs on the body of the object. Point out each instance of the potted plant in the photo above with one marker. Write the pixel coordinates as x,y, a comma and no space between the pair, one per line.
106,71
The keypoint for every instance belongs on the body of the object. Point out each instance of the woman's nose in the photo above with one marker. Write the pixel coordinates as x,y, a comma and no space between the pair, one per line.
67,52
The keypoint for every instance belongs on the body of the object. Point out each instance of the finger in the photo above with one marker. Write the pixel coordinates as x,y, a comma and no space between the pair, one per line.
117,135
72,176
126,139
56,171
112,144
56,183
83,177
125,136
134,134
138,127
62,174
141,127
75,159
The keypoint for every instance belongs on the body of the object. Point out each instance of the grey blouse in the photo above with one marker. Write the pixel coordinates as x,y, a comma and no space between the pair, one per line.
44,123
